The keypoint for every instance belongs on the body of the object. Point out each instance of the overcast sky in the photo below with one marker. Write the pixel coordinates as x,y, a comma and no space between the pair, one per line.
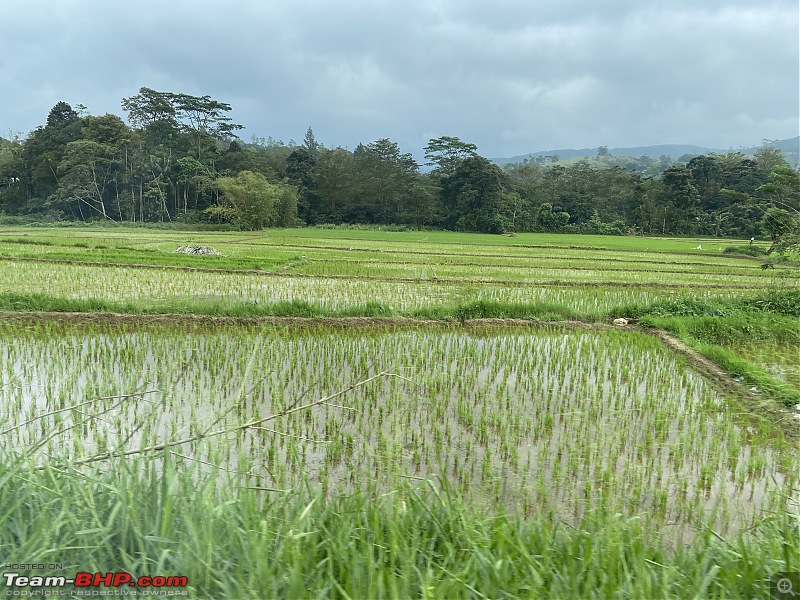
512,76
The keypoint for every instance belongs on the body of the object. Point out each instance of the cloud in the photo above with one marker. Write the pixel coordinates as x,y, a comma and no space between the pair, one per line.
512,77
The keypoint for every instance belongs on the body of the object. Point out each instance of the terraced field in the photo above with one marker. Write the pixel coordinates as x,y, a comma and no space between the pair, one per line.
403,272
320,365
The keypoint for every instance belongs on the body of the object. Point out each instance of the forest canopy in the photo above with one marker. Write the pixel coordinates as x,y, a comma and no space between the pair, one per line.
177,158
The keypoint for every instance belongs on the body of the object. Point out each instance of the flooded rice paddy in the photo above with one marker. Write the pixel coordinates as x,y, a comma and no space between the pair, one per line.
557,422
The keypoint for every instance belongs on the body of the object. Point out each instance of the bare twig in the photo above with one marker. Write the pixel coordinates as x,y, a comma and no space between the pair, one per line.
248,369
133,432
127,395
340,406
41,443
297,437
165,445
210,464
73,407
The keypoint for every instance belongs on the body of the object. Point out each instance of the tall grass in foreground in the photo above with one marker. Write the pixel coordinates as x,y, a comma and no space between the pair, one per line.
422,541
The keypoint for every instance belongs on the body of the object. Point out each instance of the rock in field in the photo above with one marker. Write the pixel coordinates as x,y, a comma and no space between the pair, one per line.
196,250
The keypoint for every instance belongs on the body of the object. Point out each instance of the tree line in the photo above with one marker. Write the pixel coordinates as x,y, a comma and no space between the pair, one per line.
178,158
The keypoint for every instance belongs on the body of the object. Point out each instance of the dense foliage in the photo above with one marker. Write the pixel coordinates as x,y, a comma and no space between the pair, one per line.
419,542
178,159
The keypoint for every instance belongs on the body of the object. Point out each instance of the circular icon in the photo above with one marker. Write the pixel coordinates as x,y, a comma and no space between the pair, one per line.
784,585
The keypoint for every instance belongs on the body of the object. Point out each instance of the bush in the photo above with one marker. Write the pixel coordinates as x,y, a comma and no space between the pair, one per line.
250,202
745,250
361,227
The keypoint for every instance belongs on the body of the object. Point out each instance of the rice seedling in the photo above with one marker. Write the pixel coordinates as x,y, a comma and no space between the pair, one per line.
598,418
157,290
202,447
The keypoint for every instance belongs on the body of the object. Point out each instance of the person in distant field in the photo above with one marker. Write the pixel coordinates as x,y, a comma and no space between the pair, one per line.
752,239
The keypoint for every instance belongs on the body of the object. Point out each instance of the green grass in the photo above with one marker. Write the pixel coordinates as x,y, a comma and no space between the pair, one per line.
327,272
538,311
750,250
716,327
74,235
778,301
47,303
422,541
779,359
729,330
232,537
752,374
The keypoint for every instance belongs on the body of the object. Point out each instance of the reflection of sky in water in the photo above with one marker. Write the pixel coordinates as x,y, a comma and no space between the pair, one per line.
557,422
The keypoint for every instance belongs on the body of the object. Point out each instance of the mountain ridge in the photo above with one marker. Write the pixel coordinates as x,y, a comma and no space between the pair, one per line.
790,148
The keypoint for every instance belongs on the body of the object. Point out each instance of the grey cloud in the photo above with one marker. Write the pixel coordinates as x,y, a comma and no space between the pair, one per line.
512,77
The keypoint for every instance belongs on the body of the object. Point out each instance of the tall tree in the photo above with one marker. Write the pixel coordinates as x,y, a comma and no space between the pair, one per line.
385,175
299,169
106,129
334,174
86,170
44,149
768,157
202,116
446,153
62,115
13,191
205,118
782,227
149,107
783,188
682,194
474,196
195,184
310,143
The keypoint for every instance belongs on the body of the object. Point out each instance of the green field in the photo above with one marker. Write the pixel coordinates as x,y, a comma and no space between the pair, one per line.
363,413
337,270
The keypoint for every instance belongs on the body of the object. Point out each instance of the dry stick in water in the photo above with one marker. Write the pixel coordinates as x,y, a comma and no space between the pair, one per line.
41,443
232,406
297,437
211,464
134,431
73,407
194,438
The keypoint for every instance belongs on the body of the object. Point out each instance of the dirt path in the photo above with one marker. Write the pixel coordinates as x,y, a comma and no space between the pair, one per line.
755,405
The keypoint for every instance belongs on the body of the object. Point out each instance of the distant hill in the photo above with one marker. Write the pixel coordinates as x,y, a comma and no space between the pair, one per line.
790,149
